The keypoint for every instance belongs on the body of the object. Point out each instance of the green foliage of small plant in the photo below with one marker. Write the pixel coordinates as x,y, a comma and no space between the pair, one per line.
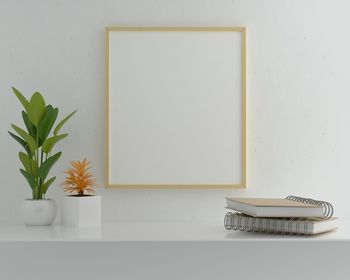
37,158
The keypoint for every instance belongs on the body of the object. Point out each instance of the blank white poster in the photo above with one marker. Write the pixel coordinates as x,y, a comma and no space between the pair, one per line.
175,108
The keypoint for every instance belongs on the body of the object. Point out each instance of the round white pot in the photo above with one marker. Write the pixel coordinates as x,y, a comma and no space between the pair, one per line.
40,212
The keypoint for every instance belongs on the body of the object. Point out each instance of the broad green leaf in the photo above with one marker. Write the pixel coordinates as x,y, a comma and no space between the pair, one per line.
36,108
44,169
29,164
46,123
30,179
51,142
61,123
29,125
21,98
26,137
47,184
22,142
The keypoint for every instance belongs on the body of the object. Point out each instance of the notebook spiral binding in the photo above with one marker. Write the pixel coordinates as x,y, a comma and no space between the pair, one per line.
327,207
233,221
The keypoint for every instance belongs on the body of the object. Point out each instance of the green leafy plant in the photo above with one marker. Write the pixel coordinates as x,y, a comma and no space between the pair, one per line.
36,141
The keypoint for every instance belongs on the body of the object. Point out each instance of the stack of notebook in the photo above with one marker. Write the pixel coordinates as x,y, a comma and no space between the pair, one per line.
292,215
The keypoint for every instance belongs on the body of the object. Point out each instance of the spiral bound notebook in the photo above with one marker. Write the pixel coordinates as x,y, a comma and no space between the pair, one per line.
291,206
296,226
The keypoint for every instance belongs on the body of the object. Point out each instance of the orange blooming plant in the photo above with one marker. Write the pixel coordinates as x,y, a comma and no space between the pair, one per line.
79,180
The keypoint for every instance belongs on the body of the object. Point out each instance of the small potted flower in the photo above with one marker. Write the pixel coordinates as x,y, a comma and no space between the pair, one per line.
81,208
38,156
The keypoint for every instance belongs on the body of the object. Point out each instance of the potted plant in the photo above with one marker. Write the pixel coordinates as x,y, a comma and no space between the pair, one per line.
82,208
37,156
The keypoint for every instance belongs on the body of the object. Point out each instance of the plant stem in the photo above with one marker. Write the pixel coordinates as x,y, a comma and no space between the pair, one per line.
37,161
36,193
41,182
42,157
30,163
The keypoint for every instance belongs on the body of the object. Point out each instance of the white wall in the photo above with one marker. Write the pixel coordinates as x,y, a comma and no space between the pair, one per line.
298,95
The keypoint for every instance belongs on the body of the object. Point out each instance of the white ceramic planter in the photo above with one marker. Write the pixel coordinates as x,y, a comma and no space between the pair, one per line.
40,212
81,211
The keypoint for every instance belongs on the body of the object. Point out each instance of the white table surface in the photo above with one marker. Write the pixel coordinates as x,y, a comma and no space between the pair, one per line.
153,231
171,251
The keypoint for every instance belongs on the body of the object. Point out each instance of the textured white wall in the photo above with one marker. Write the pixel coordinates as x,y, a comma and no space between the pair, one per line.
298,95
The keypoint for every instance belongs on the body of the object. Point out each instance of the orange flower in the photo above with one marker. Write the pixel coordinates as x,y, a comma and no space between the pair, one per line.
79,179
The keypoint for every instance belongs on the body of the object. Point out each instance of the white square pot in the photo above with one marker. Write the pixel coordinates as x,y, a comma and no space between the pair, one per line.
81,211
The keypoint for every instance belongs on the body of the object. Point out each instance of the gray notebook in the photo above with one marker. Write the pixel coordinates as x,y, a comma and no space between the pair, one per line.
242,222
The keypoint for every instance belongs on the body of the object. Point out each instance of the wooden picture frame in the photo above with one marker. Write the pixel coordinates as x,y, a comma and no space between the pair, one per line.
175,107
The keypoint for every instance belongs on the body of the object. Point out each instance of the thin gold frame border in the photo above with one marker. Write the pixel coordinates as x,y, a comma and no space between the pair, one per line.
109,185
